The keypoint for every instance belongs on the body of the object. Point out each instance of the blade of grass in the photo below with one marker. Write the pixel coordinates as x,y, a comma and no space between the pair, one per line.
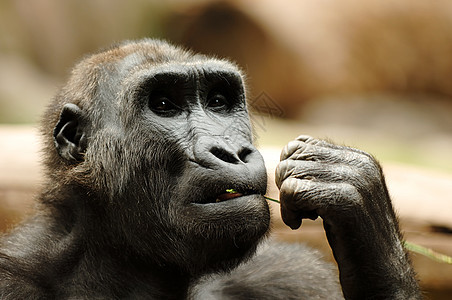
439,257
271,199
232,191
427,252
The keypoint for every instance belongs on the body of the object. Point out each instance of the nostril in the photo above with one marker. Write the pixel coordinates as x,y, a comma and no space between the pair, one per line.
224,155
243,154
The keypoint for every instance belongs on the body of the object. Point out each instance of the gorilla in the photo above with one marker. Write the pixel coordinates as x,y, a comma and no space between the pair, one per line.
140,147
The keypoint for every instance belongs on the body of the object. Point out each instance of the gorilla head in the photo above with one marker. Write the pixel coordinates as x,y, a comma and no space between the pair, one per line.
142,144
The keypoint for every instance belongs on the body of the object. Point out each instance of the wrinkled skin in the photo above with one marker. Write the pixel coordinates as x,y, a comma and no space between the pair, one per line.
346,188
140,146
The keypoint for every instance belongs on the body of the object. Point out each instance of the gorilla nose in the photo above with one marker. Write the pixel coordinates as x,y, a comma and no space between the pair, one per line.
230,156
224,155
212,152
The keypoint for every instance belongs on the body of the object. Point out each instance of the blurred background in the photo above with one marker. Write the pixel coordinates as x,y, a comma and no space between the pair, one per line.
373,74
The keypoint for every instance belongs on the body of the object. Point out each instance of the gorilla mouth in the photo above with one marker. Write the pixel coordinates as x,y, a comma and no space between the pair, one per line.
228,196
233,194
225,196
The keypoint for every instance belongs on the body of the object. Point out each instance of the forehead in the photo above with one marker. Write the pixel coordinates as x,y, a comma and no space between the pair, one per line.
159,57
136,67
125,69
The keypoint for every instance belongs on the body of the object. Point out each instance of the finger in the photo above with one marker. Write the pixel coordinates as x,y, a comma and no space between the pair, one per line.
312,215
299,144
312,152
300,151
308,148
328,144
290,148
319,142
291,218
311,170
296,194
290,214
306,196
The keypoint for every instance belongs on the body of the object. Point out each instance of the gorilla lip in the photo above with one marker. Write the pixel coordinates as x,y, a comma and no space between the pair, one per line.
228,196
232,194
223,197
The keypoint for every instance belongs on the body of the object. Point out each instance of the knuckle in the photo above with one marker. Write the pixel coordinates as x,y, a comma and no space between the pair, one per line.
309,170
351,192
295,190
282,167
303,138
368,166
282,171
287,192
367,159
309,140
308,153
290,149
314,153
342,196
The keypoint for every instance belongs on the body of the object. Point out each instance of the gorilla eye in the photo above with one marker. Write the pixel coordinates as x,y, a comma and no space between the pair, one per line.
218,101
162,105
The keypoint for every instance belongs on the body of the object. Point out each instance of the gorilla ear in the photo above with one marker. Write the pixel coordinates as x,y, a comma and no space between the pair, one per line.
69,134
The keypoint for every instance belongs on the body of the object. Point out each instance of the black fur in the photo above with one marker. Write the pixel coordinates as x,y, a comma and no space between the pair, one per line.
140,146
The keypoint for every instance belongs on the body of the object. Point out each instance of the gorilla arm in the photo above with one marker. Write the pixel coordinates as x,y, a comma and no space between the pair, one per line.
277,271
346,188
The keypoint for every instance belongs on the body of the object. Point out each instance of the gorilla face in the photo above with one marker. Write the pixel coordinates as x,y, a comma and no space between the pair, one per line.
167,135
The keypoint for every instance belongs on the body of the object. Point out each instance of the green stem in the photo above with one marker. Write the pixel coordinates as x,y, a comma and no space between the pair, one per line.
439,257
231,191
271,199
427,252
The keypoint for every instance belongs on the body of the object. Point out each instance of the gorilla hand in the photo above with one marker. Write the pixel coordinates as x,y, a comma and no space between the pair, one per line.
346,188
339,184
